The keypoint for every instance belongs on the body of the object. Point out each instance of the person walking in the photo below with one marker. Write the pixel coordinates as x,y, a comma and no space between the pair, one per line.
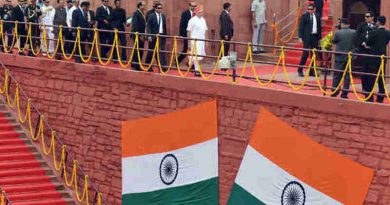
227,27
344,39
157,25
80,19
18,14
104,20
48,13
33,13
197,28
377,44
184,19
309,33
138,24
258,9
118,22
7,26
60,20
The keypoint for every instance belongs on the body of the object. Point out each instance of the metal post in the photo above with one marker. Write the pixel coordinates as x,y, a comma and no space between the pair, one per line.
233,64
36,127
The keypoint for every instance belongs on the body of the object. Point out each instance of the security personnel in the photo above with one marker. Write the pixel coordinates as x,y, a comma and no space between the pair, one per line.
33,12
6,16
18,14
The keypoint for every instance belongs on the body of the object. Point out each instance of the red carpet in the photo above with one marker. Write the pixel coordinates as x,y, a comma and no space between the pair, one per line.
22,175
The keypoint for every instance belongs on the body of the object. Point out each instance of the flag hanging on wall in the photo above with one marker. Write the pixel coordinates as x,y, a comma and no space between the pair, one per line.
172,158
284,166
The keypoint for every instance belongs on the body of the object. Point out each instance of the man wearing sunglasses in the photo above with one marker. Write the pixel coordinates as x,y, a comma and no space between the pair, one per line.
363,32
309,35
104,19
185,18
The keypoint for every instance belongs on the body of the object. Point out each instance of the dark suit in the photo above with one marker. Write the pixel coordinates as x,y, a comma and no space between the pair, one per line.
80,19
378,41
344,40
105,37
363,32
6,11
153,27
138,24
60,19
118,22
227,29
151,11
184,19
18,14
309,39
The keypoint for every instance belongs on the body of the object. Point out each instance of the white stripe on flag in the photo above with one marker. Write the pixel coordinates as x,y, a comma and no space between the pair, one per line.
196,163
265,180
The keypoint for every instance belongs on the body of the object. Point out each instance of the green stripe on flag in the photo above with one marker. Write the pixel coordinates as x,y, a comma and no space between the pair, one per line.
241,196
203,192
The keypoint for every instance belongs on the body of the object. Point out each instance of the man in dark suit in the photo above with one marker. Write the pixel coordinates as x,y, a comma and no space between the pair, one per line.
344,39
18,14
377,43
138,24
80,19
157,24
227,27
184,19
118,22
7,27
309,33
104,19
363,32
60,20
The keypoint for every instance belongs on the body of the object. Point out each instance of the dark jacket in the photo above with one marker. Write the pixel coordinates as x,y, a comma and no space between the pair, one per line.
378,41
152,26
101,15
17,14
345,40
184,19
78,20
119,19
59,19
363,31
306,26
227,27
32,13
151,11
138,23
319,4
6,11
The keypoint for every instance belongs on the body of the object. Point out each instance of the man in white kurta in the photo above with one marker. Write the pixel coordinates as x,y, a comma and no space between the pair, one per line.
258,9
196,29
48,13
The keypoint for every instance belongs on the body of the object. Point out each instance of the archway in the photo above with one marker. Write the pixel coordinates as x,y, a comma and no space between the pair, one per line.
355,10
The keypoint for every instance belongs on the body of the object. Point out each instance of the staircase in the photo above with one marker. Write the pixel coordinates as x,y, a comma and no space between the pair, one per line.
24,175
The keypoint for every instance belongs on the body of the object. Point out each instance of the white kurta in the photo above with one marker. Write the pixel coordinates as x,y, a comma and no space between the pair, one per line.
198,27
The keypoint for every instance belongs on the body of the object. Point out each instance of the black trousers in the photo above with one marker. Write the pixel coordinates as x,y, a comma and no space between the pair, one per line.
184,50
83,39
310,43
105,38
340,66
162,55
23,38
226,47
123,42
374,66
35,36
135,63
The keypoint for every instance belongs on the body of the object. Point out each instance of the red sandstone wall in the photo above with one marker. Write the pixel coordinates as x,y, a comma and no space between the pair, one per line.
86,103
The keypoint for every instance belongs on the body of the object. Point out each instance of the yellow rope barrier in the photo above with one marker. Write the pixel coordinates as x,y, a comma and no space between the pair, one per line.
3,39
2,198
44,37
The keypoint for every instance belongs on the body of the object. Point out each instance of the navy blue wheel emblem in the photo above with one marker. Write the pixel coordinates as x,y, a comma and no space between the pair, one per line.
169,168
293,194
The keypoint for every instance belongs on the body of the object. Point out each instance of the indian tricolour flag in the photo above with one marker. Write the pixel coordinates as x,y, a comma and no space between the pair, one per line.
282,166
172,158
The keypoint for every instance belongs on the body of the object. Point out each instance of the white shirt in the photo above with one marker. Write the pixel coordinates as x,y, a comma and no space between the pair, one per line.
198,27
69,16
314,30
259,8
48,13
106,8
160,30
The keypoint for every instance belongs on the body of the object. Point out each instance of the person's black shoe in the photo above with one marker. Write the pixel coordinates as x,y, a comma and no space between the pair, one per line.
197,74
380,100
30,54
312,74
344,97
300,73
